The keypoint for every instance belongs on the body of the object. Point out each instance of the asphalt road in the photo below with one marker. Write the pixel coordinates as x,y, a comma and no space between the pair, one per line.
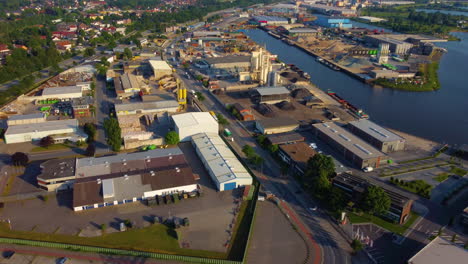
334,248
104,99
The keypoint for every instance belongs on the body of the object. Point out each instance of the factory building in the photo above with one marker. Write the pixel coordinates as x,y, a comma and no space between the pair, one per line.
285,138
349,146
269,20
261,65
206,34
242,63
355,186
296,156
81,106
333,22
303,32
276,125
270,95
26,119
160,68
226,171
62,129
244,113
127,85
397,46
189,124
377,136
171,106
65,92
440,250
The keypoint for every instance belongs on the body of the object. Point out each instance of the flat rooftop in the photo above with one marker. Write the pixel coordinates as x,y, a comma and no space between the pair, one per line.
376,131
277,122
349,141
61,90
26,117
146,105
270,18
55,125
228,59
439,251
194,119
299,152
273,90
57,168
160,65
285,138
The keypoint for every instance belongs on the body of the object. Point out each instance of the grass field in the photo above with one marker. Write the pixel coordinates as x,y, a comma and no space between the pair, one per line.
441,177
156,238
396,228
458,171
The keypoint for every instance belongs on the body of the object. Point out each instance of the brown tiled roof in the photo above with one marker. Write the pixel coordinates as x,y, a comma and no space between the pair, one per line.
87,193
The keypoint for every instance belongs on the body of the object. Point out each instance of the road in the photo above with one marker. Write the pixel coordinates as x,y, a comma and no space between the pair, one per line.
333,246
104,100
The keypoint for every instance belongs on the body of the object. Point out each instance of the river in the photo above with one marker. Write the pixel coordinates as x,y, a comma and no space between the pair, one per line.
440,115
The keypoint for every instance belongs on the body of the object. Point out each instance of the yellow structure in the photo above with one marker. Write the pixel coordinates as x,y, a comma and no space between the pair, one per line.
181,93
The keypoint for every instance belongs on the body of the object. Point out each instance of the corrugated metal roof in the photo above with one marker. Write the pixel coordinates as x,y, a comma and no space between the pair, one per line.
68,126
273,90
146,105
375,131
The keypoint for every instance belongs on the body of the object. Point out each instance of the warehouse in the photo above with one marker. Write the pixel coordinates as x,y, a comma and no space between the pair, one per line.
270,20
355,186
397,46
349,146
296,156
242,63
285,138
26,119
160,68
440,250
244,113
189,124
303,32
65,92
270,95
126,85
226,171
377,136
276,125
204,34
66,129
147,107
119,179
81,106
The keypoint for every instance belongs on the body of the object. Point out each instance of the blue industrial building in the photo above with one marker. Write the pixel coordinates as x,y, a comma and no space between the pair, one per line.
333,22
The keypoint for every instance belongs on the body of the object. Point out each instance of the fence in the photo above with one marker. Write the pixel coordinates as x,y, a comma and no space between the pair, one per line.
112,251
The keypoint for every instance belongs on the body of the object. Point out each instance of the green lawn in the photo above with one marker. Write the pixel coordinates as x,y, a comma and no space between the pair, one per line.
156,238
395,228
441,177
458,171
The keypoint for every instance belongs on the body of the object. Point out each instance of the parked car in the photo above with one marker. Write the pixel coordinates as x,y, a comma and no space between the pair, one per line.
8,254
63,260
368,169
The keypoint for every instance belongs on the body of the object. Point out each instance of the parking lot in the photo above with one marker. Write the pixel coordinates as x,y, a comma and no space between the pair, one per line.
211,215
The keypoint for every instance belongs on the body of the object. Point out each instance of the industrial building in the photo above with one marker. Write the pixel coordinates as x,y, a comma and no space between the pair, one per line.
26,119
269,20
349,146
127,85
333,22
244,113
296,156
440,250
65,92
229,62
303,32
226,171
63,129
285,138
355,186
205,34
397,46
276,125
171,106
189,124
160,68
270,95
377,136
81,106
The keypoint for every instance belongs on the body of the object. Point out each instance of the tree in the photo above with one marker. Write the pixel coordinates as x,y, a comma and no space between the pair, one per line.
375,200
46,141
128,53
320,164
200,96
356,245
89,52
273,148
248,151
20,159
172,138
90,130
90,150
113,133
336,199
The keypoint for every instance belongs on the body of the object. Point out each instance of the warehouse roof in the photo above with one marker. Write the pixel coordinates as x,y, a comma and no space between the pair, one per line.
61,90
219,159
194,119
146,105
438,251
26,117
44,126
129,81
270,18
375,130
227,59
57,168
277,122
349,141
284,138
273,90
302,30
299,152
160,65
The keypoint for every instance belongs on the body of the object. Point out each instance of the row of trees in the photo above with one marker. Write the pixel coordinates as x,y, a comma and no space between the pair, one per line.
252,156
113,132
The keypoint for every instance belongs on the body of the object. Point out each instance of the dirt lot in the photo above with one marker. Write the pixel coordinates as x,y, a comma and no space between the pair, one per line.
210,215
274,240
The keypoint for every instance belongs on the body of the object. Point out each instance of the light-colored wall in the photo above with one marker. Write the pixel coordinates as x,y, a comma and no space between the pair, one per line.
186,188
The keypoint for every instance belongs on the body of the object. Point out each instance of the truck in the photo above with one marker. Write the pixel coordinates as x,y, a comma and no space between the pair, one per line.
227,132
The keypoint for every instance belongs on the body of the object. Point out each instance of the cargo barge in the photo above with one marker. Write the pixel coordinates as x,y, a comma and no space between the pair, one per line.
354,110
